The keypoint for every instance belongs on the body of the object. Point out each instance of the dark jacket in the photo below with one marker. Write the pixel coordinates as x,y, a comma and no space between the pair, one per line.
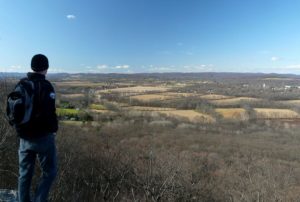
43,120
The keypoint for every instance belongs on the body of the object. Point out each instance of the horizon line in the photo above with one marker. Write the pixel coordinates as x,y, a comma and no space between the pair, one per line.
132,73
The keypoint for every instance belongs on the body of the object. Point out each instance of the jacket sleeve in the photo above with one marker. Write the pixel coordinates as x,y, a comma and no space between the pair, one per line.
53,117
51,109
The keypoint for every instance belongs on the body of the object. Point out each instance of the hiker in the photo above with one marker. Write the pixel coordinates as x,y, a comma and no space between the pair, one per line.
37,135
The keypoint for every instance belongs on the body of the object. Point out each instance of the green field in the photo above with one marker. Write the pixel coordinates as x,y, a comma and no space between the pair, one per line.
97,107
67,112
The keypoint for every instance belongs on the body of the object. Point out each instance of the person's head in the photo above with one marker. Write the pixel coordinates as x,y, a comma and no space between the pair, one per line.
40,64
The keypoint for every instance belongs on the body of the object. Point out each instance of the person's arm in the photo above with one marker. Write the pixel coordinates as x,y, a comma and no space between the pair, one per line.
51,110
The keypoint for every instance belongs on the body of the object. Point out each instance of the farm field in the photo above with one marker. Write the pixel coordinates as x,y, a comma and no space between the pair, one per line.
77,84
166,96
142,108
233,113
214,97
77,95
144,94
233,101
276,113
174,94
291,102
138,89
191,115
149,97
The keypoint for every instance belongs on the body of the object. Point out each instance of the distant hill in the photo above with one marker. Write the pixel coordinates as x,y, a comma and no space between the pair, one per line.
164,76
11,75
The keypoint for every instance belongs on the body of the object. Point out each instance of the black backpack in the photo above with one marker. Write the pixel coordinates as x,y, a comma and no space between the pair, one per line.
20,103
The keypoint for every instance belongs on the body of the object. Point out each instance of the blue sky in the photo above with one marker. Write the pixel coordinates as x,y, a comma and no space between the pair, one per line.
133,36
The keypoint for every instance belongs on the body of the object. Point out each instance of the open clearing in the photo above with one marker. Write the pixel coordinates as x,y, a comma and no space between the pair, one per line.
291,102
137,89
97,107
80,123
174,94
72,96
141,108
101,111
265,113
73,123
164,96
77,84
215,97
279,79
233,113
191,115
67,112
275,113
234,101
151,97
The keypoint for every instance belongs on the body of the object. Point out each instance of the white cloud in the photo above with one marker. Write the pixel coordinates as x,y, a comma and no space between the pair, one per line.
274,58
102,67
15,68
55,70
199,67
293,67
71,17
161,69
122,67
185,68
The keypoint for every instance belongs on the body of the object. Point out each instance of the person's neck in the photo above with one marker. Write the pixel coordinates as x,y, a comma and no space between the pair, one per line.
42,72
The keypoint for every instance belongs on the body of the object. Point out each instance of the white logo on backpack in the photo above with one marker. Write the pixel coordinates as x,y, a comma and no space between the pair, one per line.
52,95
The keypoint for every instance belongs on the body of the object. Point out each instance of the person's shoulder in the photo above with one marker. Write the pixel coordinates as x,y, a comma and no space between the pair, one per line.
23,79
49,84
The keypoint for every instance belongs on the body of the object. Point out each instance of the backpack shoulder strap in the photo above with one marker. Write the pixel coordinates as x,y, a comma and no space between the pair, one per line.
27,84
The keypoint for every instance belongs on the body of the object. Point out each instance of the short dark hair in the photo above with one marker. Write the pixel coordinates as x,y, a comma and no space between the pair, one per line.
39,62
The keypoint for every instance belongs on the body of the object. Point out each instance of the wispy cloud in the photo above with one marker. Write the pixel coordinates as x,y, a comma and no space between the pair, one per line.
56,70
14,68
199,68
161,69
122,67
23,69
71,17
293,67
275,58
102,67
